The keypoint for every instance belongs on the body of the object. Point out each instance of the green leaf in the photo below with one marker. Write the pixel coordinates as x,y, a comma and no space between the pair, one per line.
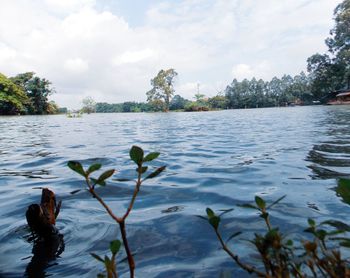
233,236
97,257
277,201
321,234
210,213
343,190
107,261
155,173
202,217
337,224
93,168
311,222
289,242
136,154
310,230
264,215
224,211
141,170
122,180
76,167
214,221
247,206
95,181
151,156
105,176
114,246
260,202
345,243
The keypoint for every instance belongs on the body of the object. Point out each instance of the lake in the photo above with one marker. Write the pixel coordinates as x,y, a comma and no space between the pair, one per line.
214,159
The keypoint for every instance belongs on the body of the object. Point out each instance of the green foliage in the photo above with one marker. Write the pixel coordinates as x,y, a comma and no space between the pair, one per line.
178,103
13,99
125,107
139,158
109,263
218,102
343,190
162,91
280,257
37,89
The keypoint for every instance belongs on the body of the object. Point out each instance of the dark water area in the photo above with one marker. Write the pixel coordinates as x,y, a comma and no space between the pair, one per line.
217,159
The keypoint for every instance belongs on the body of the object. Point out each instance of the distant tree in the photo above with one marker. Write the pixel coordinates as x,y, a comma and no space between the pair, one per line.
178,103
218,102
53,108
13,99
37,89
162,91
89,105
62,110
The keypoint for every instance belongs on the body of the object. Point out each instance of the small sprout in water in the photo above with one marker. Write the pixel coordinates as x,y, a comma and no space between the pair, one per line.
137,156
260,202
213,219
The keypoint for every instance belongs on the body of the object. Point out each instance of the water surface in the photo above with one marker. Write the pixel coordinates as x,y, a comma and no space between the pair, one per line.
217,159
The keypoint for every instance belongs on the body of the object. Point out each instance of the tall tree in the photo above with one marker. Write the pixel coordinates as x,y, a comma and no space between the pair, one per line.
163,89
37,89
331,71
89,105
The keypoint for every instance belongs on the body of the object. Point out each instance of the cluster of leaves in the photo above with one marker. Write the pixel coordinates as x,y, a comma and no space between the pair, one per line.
139,158
318,255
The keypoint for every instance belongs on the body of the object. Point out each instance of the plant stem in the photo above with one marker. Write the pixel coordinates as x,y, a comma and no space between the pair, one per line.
136,191
244,266
131,261
120,221
94,194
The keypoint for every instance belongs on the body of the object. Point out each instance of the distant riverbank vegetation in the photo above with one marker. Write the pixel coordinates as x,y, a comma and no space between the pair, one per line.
26,94
326,73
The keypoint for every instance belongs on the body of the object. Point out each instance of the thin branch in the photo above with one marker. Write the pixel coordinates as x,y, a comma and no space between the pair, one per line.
244,266
136,191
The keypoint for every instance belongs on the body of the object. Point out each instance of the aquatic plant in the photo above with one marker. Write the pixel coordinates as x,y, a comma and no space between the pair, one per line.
139,158
318,255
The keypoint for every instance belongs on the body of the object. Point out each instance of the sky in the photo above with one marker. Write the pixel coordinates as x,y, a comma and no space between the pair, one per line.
110,49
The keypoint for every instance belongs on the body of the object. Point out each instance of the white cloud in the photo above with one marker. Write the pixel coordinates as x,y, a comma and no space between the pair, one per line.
76,65
130,57
83,48
261,70
6,53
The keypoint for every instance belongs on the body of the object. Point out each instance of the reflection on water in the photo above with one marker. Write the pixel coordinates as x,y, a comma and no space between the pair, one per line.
216,159
331,157
45,252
